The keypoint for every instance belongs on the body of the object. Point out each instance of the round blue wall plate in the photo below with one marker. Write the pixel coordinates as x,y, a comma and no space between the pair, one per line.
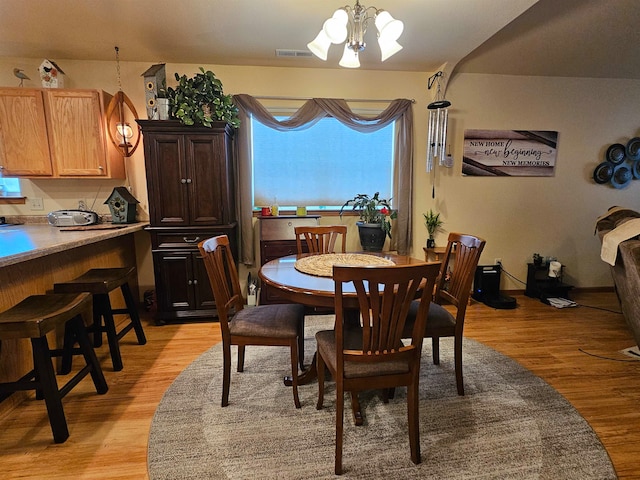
616,153
603,172
621,177
633,149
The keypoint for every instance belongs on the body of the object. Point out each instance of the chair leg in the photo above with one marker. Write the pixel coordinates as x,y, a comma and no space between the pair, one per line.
240,366
294,371
414,421
435,347
339,426
320,370
52,397
226,372
301,345
457,353
133,313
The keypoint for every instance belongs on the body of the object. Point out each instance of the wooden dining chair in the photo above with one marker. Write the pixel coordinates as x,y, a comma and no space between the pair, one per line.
374,356
274,325
453,288
322,239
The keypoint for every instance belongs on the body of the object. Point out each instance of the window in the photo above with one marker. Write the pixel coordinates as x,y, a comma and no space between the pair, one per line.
9,186
321,166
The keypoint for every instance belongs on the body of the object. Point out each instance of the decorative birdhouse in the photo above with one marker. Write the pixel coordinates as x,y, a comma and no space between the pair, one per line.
155,81
51,74
122,206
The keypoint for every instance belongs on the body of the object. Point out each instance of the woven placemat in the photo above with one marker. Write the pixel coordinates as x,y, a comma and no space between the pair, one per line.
322,265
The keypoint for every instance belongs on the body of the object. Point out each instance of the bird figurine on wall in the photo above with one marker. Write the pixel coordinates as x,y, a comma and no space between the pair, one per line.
21,75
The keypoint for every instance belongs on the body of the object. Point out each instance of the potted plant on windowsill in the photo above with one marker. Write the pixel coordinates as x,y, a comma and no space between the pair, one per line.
432,222
199,100
375,219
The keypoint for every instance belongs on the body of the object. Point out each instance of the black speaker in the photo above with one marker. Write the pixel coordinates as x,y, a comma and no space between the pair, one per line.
486,287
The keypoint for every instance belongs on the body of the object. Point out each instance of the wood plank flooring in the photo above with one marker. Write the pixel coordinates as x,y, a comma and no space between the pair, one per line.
575,350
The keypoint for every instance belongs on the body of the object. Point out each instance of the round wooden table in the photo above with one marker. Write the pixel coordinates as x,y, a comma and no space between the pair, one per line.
315,291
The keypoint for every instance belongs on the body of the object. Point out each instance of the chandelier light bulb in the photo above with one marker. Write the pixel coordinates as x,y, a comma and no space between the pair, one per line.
349,58
320,45
388,48
388,27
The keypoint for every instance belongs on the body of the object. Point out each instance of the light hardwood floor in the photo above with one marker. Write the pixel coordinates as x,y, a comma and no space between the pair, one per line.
576,350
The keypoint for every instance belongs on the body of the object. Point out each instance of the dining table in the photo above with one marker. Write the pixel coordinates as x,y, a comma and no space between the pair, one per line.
295,285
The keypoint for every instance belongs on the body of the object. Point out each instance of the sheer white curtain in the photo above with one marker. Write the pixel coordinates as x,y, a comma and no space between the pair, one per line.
399,111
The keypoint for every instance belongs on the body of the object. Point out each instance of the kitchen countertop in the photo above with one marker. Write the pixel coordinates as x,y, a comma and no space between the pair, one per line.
19,243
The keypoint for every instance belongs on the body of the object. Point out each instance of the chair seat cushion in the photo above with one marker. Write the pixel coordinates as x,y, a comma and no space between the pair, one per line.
282,321
326,344
438,319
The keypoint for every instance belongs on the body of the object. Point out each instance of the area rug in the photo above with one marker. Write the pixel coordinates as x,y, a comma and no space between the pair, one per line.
509,425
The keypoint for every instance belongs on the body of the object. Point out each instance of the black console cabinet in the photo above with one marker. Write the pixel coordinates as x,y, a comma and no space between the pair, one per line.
540,285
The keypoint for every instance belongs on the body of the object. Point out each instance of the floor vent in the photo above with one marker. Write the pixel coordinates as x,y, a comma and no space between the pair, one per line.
293,53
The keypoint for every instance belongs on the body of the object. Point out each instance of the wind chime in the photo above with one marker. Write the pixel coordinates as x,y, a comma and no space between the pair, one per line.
437,132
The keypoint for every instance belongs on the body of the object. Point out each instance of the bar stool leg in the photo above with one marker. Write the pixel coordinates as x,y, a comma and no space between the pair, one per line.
67,347
133,313
77,326
102,304
52,397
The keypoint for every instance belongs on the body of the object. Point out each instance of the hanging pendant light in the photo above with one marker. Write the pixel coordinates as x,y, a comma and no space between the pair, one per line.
121,114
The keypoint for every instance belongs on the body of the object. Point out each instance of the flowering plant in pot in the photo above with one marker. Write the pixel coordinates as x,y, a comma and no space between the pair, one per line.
375,219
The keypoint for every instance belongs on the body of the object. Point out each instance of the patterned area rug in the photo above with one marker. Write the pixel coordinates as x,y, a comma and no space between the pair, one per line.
509,425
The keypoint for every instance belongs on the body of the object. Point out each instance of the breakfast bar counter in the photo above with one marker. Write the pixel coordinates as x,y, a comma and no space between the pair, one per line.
34,256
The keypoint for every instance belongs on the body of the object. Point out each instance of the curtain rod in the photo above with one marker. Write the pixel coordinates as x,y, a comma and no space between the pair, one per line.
360,100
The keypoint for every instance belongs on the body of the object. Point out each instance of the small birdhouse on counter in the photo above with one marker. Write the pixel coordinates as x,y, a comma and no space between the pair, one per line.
51,74
122,205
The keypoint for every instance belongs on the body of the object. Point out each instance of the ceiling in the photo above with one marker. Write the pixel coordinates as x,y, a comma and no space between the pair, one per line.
578,38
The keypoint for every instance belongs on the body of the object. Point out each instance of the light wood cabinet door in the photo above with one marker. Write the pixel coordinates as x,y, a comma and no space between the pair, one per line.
24,146
76,133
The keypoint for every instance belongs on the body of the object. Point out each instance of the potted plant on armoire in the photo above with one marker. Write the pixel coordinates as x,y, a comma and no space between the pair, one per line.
189,169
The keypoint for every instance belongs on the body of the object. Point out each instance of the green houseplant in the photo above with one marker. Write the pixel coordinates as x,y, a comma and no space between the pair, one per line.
432,222
199,100
375,219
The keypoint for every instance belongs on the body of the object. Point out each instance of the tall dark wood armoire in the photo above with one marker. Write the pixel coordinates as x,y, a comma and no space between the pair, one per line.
191,197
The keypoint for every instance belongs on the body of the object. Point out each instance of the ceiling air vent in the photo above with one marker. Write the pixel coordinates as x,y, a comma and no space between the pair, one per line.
293,53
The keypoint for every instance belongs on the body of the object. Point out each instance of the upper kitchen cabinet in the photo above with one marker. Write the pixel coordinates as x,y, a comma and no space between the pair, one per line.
24,145
56,133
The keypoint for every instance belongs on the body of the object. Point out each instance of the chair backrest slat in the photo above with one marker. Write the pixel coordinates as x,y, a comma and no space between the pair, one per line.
223,277
321,239
384,298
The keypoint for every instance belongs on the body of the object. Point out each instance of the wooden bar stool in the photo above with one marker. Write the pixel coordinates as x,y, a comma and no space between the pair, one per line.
33,318
99,282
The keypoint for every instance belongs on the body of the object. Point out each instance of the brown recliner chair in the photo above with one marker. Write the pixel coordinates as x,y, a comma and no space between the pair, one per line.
626,270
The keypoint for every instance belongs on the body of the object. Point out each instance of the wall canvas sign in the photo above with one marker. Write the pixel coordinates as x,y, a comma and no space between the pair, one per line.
509,153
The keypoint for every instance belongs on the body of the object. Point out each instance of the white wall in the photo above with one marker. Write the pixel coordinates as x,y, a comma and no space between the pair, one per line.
517,216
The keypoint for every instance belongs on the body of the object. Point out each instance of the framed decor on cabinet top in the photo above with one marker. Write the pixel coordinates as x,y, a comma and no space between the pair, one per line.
510,153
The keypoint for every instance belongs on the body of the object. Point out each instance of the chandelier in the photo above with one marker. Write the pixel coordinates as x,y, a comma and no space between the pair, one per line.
349,25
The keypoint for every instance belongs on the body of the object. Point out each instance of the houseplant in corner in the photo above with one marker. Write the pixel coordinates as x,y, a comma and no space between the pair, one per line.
375,215
199,100
432,222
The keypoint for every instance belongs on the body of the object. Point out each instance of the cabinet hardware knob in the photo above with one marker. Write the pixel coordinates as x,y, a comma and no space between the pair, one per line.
183,180
190,282
191,240
188,180
100,167
195,282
